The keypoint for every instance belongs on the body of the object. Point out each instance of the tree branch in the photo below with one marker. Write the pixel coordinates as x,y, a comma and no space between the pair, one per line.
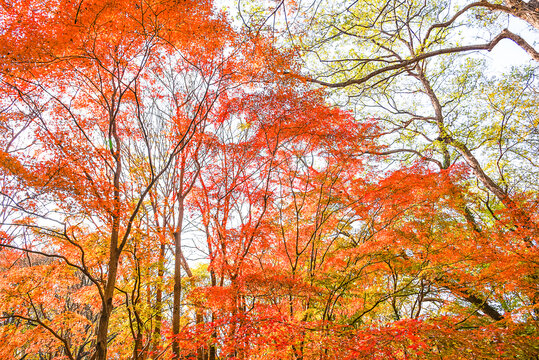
48,328
505,34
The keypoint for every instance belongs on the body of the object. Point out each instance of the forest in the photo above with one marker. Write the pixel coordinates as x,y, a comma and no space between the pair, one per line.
269,179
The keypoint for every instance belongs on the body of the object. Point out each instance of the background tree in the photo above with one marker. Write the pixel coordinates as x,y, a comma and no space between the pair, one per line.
83,79
412,67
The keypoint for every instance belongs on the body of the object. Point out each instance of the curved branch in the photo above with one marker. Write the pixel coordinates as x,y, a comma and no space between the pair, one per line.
481,3
82,269
505,34
527,11
389,152
523,44
48,328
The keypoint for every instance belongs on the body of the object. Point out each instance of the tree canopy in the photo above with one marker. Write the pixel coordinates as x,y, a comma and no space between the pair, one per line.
269,180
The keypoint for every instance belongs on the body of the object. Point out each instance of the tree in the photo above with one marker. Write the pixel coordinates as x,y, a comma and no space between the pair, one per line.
84,80
406,65
354,181
411,43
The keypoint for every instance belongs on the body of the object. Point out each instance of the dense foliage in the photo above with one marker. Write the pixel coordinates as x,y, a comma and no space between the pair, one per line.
279,180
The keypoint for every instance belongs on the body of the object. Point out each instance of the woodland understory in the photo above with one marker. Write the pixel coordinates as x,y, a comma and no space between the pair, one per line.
276,179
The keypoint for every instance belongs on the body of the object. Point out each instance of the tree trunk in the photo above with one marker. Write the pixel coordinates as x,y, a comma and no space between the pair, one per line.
103,327
114,255
212,354
468,295
138,353
201,351
156,341
522,219
528,12
177,282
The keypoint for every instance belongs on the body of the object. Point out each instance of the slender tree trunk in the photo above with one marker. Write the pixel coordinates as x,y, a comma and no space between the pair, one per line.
138,354
212,354
177,281
156,341
114,255
201,351
438,113
104,318
199,315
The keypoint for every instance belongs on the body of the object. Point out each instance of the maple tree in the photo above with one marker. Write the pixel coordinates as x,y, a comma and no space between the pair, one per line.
88,88
402,63
379,203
